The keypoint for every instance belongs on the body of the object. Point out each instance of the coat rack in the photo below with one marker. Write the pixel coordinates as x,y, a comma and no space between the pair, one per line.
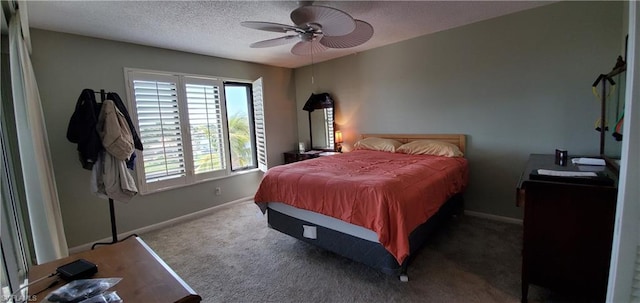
112,212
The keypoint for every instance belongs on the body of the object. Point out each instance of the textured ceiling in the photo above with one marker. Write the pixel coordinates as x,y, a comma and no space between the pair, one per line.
213,27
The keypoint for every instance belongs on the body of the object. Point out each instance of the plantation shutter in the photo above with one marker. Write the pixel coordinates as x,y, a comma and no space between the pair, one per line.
182,122
258,116
158,116
206,125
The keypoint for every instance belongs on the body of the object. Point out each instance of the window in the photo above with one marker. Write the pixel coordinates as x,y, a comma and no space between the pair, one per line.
240,125
192,128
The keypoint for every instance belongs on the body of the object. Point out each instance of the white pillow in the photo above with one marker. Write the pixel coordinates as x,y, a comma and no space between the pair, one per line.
381,144
430,147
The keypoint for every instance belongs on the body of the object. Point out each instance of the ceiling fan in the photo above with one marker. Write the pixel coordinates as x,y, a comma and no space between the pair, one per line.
316,29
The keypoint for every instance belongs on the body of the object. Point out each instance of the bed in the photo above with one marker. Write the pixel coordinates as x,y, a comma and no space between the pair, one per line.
374,207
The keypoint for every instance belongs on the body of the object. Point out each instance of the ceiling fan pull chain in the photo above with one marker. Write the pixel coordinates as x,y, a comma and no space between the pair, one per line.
311,51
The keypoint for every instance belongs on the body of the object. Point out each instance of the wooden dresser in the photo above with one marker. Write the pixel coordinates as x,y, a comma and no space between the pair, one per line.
568,231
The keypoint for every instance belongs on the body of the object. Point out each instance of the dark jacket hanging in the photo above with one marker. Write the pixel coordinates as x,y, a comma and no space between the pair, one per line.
82,128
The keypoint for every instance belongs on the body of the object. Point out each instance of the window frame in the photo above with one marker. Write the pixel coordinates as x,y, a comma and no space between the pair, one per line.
252,124
190,178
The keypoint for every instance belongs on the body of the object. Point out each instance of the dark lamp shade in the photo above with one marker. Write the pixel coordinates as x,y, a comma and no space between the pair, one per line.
318,101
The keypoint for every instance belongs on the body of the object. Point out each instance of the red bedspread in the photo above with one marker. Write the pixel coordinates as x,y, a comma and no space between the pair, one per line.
389,193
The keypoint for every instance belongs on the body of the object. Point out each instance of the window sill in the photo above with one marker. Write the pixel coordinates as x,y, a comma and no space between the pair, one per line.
233,174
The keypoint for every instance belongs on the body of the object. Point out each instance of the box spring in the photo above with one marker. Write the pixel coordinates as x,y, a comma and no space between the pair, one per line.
360,250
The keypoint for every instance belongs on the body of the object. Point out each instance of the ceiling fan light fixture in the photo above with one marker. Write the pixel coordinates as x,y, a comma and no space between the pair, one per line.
315,27
307,37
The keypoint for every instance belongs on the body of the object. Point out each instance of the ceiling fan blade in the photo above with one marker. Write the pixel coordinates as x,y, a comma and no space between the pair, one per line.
305,48
270,26
362,34
273,42
334,22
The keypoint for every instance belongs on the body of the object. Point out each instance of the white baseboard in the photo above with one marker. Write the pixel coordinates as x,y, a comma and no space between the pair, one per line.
493,217
160,225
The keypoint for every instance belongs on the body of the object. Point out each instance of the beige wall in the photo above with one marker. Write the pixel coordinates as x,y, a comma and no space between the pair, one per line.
65,64
516,85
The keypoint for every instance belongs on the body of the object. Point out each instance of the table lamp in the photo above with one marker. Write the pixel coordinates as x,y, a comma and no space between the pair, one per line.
339,141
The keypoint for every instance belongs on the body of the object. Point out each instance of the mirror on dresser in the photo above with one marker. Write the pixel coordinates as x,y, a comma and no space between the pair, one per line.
612,95
321,124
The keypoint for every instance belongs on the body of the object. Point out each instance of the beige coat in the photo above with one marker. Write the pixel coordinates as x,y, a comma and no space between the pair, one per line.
111,178
114,131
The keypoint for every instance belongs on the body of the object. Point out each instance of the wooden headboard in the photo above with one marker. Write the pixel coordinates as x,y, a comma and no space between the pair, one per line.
457,139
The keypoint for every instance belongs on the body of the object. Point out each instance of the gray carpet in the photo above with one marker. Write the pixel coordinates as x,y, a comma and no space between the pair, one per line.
232,256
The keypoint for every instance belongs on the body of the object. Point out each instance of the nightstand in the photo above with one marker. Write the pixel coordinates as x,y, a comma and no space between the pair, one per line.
295,156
